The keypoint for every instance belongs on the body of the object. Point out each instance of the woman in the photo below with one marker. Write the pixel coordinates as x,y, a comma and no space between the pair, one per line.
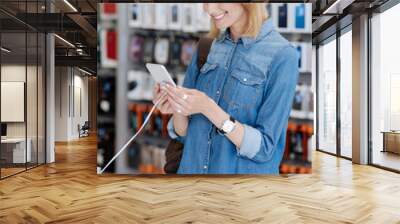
232,113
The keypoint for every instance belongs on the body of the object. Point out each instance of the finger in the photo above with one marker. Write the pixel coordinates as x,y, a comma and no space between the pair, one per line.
161,93
156,98
183,89
193,91
176,93
180,101
164,105
176,106
171,93
161,102
156,89
175,103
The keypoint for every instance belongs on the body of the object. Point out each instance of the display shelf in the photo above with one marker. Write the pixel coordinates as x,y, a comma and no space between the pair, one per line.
105,119
106,72
290,167
166,33
148,139
298,114
155,134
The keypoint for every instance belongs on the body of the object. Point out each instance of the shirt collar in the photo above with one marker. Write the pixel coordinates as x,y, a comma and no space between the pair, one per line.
266,28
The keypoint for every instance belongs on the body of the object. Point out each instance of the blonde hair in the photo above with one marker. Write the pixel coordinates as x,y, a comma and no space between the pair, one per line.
256,13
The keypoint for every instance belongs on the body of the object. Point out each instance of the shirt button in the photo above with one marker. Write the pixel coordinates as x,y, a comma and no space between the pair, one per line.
245,79
217,92
205,167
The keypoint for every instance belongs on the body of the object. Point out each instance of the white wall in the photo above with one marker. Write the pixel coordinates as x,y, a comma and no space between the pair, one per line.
80,89
70,83
17,73
14,73
62,81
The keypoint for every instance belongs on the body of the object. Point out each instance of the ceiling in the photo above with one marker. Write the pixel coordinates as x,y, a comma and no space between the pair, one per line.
76,24
332,15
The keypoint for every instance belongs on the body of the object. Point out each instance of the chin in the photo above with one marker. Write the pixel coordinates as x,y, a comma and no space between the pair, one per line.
221,25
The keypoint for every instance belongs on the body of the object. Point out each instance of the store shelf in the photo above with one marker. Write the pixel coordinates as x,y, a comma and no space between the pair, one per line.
147,139
135,41
166,33
105,119
298,114
106,72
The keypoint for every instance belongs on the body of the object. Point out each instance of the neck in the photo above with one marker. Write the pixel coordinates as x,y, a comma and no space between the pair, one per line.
238,28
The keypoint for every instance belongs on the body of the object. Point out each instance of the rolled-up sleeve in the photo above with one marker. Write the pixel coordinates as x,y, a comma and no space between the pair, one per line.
251,142
260,140
188,82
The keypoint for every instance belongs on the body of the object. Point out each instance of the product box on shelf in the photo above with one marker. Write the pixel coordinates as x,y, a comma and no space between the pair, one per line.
135,15
184,17
161,51
291,18
140,85
188,18
149,15
304,49
108,11
174,16
108,48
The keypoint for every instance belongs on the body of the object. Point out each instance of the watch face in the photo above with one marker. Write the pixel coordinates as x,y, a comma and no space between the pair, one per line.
228,126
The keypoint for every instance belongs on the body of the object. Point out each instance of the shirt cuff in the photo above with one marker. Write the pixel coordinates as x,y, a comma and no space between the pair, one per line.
171,130
251,142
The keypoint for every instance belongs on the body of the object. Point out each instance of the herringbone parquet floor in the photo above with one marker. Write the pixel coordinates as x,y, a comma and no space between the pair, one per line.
69,191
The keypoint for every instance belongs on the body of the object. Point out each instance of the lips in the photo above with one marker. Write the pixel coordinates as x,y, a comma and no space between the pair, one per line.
219,17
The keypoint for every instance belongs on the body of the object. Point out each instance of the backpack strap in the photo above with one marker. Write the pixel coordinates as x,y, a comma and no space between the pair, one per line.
203,47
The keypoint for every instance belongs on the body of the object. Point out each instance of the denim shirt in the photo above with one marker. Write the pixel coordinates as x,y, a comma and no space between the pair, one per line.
253,80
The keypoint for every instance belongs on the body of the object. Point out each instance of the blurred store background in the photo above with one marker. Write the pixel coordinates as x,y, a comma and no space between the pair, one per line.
132,34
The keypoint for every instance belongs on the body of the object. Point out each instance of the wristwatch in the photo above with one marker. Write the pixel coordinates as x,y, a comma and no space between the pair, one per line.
228,126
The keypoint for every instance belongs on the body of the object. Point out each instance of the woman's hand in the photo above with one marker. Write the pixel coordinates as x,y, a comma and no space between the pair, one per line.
187,101
164,106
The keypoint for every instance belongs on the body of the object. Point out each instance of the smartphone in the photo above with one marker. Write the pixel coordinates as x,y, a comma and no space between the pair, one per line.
160,74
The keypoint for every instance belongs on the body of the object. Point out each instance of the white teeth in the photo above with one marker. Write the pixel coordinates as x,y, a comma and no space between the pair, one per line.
219,16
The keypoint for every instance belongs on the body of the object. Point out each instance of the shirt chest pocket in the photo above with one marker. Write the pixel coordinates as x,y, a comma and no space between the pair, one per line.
243,90
205,78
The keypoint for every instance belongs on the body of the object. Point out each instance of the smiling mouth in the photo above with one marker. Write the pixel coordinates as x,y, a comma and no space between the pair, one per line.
219,17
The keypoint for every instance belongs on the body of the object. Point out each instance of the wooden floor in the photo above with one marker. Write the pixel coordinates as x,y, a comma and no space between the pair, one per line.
387,159
10,171
70,191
